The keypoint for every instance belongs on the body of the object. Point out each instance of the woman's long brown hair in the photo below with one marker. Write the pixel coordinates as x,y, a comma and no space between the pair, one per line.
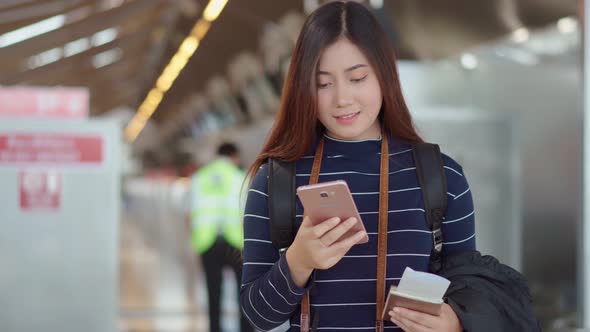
297,126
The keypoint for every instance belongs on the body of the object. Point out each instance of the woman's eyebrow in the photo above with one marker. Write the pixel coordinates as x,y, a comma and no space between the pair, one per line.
357,66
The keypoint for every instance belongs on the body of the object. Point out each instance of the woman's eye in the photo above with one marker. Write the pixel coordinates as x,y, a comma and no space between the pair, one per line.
357,80
323,85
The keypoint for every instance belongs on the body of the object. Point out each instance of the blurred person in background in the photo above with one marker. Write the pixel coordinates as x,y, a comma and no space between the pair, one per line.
217,224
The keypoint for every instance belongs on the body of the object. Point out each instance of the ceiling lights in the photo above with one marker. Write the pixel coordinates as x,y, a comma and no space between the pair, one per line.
186,49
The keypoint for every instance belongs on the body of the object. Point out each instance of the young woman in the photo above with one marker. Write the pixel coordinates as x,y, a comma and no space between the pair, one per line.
343,95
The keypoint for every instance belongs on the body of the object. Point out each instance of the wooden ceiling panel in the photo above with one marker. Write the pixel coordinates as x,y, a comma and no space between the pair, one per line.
107,100
13,19
85,73
135,40
101,21
13,4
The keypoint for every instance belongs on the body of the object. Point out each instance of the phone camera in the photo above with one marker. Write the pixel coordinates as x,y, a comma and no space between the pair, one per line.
323,194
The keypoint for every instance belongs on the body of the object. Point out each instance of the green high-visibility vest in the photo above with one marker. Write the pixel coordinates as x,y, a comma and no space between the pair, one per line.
216,207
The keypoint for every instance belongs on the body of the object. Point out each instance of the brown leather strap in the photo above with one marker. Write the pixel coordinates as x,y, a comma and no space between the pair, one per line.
317,163
315,174
382,233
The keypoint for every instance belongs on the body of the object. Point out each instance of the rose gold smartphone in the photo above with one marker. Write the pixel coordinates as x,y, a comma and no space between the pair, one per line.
326,200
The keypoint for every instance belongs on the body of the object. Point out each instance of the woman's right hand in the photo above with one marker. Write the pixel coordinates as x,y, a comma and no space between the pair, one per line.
319,246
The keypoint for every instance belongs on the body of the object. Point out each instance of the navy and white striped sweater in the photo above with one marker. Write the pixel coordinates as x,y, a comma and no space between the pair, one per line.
344,295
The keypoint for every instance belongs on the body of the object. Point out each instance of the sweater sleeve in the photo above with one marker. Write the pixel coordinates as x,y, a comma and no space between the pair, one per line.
268,295
458,227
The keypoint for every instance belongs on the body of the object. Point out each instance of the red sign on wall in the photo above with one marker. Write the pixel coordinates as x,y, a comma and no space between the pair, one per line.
32,102
39,190
51,148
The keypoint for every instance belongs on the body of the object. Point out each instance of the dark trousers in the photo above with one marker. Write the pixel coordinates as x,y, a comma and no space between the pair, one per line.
221,254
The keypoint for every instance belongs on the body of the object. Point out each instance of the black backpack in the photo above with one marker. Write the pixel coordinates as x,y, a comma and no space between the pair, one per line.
431,176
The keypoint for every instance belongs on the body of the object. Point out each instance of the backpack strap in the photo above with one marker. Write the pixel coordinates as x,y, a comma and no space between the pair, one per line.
281,203
433,181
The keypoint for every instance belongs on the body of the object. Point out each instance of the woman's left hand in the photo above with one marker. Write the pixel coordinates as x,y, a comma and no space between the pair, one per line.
415,321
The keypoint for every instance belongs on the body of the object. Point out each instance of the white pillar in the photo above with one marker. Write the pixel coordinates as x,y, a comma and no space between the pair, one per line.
584,262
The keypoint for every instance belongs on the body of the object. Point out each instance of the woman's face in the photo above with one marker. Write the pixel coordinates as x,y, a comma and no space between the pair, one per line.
349,96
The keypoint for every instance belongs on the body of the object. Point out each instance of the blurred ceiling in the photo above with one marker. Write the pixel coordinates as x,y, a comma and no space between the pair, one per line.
118,48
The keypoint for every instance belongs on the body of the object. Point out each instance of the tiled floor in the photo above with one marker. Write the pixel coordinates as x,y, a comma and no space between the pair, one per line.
162,289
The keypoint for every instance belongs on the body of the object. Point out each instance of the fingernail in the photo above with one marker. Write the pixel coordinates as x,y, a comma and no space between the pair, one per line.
396,310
